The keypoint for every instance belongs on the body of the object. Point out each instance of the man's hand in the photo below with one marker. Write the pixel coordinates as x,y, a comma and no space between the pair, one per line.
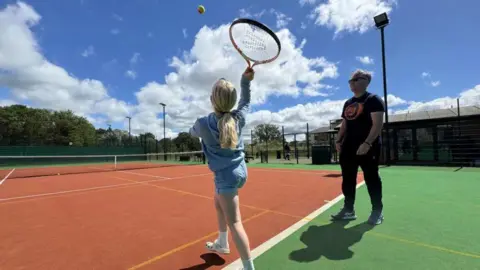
363,149
338,146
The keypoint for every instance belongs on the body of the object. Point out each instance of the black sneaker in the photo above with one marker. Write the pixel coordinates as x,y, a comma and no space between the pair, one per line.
345,214
376,217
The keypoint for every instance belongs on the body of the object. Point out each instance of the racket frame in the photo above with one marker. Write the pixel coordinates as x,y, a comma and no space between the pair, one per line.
261,26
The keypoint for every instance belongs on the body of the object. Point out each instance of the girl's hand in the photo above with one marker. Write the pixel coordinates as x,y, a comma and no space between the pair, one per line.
249,73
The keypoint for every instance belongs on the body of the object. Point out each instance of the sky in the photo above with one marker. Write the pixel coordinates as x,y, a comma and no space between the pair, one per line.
109,59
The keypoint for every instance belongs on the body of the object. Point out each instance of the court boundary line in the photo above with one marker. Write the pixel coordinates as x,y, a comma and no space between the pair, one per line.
6,176
46,194
270,243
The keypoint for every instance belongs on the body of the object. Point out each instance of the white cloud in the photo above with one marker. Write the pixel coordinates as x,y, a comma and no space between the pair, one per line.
467,97
435,83
135,58
117,17
309,2
427,77
245,13
150,35
196,71
34,80
282,19
184,32
394,101
115,31
350,15
88,51
366,60
303,25
131,74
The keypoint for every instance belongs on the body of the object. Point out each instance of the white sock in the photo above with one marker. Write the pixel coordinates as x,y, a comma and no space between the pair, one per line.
223,238
248,264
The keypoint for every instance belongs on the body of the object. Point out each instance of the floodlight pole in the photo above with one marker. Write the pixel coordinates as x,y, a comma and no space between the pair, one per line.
164,134
381,21
129,129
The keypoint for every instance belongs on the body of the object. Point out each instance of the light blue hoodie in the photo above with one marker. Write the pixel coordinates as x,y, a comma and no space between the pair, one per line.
206,128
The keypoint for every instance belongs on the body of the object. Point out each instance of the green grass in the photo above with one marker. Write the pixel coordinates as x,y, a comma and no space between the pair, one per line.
430,223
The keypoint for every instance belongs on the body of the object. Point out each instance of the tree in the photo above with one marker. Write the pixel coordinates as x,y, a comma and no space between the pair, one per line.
186,142
266,133
170,145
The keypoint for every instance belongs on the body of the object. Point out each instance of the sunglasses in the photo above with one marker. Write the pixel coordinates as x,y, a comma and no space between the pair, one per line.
356,79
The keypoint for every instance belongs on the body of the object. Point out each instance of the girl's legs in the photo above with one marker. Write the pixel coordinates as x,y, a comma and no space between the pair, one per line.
230,205
222,225
221,244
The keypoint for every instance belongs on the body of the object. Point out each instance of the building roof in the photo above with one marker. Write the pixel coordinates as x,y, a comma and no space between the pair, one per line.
421,115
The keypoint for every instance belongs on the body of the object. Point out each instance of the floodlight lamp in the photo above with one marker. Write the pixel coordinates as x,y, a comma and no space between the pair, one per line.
381,20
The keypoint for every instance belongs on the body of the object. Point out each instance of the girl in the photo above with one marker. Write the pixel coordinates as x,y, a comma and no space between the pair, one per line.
220,132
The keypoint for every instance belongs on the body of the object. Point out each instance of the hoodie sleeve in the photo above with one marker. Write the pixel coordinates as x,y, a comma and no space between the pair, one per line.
195,130
244,103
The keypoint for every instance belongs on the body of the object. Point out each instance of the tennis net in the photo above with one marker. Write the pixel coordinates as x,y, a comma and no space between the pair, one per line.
34,166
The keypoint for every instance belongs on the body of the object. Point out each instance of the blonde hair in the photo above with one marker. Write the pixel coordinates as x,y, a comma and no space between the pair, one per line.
223,98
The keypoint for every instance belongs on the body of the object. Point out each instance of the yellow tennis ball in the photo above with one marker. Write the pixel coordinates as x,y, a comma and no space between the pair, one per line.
201,9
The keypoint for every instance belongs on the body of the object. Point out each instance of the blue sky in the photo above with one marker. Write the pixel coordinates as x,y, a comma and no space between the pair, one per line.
110,41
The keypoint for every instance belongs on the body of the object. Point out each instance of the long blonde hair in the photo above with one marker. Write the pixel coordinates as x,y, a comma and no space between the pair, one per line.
223,98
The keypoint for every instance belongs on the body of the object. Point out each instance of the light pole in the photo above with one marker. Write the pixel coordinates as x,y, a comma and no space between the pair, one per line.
381,21
129,129
164,135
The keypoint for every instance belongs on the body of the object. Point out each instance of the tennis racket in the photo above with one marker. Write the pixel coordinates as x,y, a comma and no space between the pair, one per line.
254,41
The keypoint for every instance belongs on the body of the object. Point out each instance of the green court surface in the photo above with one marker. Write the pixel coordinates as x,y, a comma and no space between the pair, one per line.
432,221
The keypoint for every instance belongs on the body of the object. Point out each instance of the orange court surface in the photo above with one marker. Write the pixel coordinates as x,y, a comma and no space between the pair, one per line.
156,218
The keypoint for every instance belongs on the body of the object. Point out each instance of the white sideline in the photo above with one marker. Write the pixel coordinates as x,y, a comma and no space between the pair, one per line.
287,232
5,178
97,188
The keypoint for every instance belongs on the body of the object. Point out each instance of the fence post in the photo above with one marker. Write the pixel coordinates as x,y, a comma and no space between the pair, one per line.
283,143
295,143
308,143
251,142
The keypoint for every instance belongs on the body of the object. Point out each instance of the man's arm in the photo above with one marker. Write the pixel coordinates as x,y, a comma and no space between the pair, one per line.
343,126
377,125
376,113
342,131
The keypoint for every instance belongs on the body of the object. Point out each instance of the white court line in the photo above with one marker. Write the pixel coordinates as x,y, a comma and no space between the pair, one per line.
287,232
143,174
289,171
95,188
5,178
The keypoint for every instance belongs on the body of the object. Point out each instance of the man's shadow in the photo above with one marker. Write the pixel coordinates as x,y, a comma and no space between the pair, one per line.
211,259
332,241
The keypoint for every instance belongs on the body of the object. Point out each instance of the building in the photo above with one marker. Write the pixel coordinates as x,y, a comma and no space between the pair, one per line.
446,137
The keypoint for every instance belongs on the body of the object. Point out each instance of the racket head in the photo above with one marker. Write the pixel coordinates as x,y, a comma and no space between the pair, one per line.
254,41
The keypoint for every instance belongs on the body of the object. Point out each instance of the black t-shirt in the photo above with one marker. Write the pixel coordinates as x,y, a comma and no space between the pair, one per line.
356,112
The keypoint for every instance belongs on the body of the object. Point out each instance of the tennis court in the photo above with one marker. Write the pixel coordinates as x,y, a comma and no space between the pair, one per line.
431,222
138,211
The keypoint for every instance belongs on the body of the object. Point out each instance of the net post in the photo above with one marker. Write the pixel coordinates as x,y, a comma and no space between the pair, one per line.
115,162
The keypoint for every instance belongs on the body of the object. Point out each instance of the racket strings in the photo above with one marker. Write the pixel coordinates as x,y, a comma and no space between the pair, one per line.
254,42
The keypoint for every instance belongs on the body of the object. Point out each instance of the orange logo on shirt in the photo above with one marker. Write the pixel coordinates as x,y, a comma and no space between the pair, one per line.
353,111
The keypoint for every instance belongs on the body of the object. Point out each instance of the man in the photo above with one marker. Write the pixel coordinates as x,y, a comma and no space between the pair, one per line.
359,145
287,151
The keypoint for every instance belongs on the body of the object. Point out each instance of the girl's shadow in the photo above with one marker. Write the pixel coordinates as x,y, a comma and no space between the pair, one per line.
211,259
332,241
